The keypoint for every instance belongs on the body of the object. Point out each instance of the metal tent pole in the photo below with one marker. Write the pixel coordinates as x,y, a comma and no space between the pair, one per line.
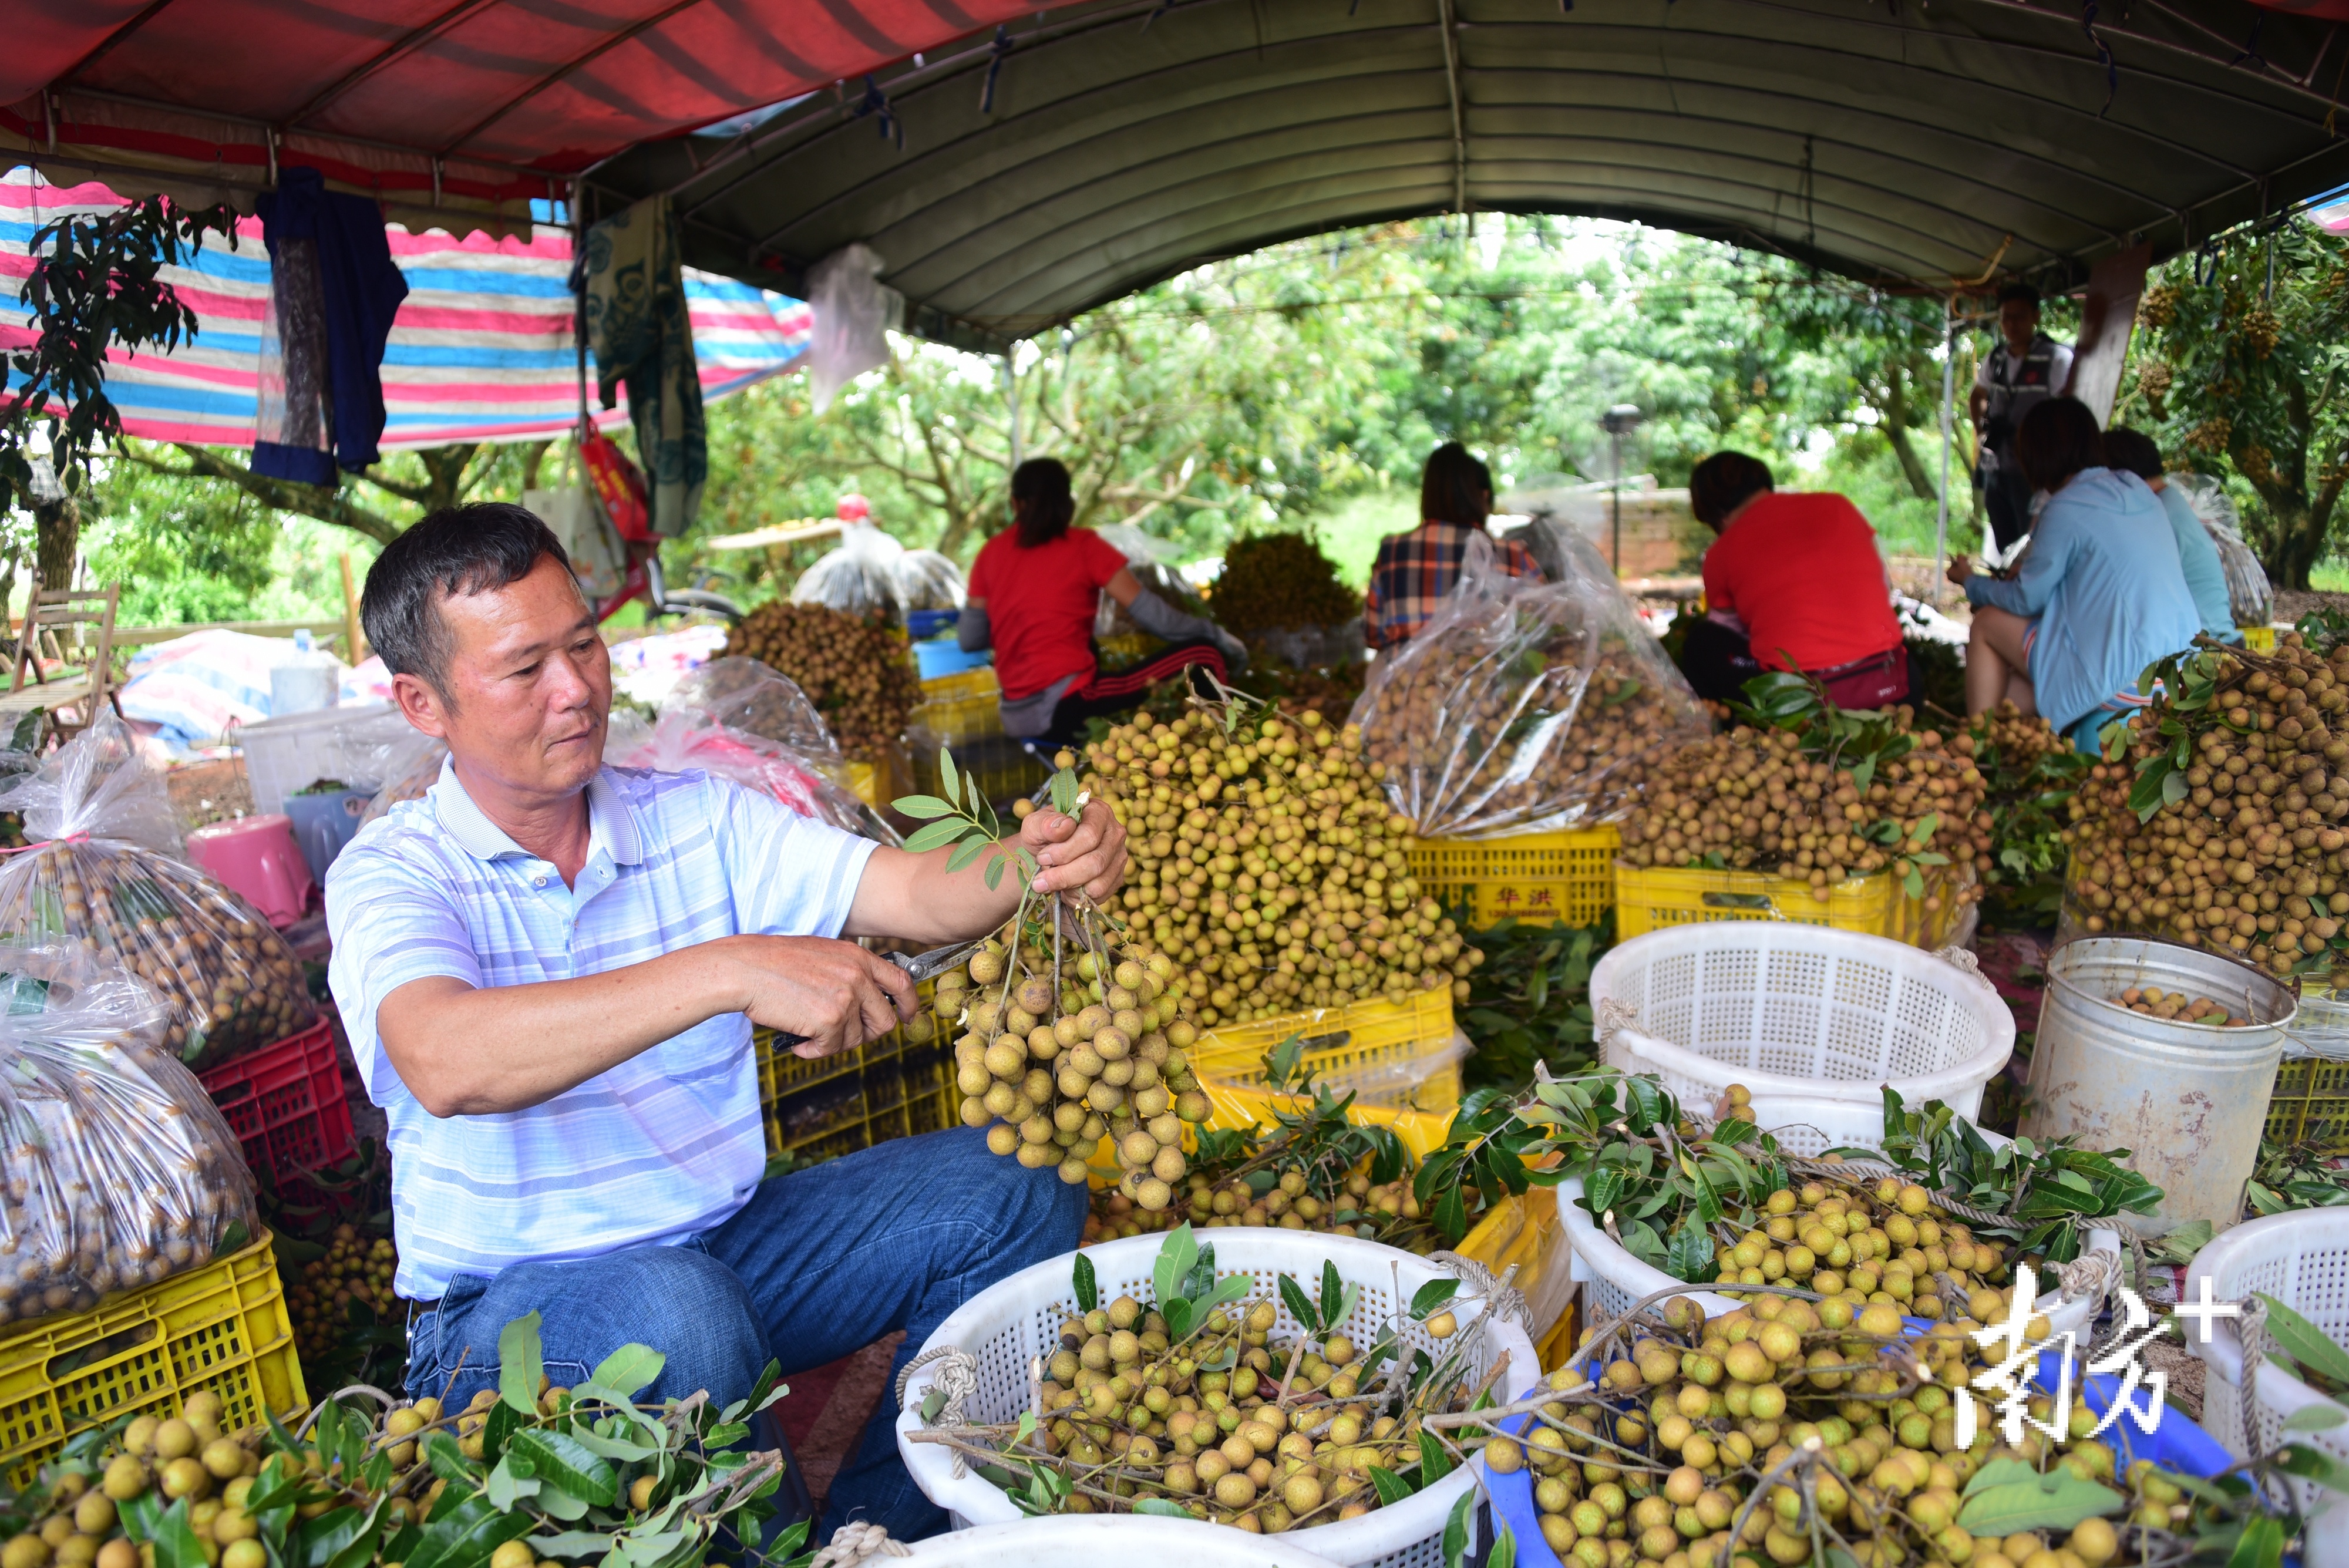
1948,393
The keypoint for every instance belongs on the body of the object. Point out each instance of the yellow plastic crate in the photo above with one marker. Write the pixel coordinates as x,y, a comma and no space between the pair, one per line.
957,720
223,1327
878,784
1649,898
1371,1046
1005,770
826,1105
2259,639
978,682
1523,1230
2309,1107
1539,878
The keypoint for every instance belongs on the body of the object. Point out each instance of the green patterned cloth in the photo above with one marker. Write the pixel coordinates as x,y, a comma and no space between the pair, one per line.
642,339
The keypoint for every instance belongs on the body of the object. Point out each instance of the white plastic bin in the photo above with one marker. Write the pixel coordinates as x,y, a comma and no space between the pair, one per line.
1111,1541
1010,1323
1612,1278
283,756
2301,1259
1790,1009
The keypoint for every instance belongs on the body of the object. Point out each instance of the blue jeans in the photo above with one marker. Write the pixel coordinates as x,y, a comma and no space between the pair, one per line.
818,1265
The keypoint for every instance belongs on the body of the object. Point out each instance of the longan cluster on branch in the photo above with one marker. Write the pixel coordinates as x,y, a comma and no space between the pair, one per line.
2243,848
1267,865
1752,799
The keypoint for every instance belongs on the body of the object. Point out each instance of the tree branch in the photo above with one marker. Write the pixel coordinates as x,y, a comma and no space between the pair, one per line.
327,503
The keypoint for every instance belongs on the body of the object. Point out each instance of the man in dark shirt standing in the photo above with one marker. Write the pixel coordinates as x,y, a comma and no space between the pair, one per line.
2025,371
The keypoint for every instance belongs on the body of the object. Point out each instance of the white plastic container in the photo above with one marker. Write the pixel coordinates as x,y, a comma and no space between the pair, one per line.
2301,1259
1612,1278
2188,1100
1111,1541
1790,1009
1010,1323
283,756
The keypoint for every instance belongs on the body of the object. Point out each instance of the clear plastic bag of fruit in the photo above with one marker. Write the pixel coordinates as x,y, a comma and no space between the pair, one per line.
684,738
859,577
100,874
746,694
118,1170
928,581
407,772
1525,706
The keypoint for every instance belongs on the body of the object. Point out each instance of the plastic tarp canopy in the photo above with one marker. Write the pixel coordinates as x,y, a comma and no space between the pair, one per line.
482,347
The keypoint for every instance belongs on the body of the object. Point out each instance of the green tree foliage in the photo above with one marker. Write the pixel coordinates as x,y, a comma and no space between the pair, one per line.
2239,368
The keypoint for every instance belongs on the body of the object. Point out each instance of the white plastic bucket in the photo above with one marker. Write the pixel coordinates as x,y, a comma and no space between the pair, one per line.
2188,1100
2302,1260
1612,1278
1012,1321
1111,1541
1791,1009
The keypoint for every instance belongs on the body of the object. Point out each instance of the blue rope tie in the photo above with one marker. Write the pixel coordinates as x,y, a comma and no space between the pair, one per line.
1000,47
2104,55
2252,46
876,102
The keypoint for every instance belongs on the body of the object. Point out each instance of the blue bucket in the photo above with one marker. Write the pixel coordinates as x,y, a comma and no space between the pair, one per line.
324,823
2177,1444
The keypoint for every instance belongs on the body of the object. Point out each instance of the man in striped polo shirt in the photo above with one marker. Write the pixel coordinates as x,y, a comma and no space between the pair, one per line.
549,970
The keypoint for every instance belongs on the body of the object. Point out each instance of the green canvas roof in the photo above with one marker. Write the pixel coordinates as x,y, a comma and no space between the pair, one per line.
1899,142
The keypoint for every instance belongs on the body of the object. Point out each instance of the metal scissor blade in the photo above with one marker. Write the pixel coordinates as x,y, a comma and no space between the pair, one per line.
937,960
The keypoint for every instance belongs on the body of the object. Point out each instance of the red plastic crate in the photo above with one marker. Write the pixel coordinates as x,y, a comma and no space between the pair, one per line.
285,1104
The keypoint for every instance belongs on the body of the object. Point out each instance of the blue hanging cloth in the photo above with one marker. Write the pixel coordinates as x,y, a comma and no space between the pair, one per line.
361,290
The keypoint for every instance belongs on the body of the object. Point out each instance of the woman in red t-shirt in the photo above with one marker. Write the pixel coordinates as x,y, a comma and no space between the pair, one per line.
1033,592
1794,582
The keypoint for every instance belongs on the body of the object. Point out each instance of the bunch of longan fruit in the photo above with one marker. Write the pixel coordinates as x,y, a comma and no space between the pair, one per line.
1285,1199
1846,1427
858,671
1057,1071
1266,864
1755,800
356,1269
2244,854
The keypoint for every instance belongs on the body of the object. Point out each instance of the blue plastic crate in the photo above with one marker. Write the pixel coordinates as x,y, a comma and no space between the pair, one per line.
940,656
923,625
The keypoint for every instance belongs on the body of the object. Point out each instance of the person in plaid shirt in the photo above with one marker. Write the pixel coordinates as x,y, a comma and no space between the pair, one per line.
1415,571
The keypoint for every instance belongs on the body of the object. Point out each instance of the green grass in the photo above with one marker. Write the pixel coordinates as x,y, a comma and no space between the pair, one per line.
1350,532
2330,576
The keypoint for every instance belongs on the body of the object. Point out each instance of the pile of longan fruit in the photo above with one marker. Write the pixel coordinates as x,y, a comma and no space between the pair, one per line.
858,671
1718,1405
1753,800
1057,1071
1357,1208
355,1268
1276,581
183,1456
1267,866
2154,1003
1281,1436
2248,861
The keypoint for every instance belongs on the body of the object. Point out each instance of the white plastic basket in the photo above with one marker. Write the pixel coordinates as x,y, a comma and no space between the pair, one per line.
1088,1540
1794,1009
2301,1259
1012,1321
1612,1278
285,755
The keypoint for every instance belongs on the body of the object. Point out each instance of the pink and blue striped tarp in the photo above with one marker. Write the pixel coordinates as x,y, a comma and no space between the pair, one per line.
482,348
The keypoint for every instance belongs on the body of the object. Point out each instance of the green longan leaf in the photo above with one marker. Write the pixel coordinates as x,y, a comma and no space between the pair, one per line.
629,1370
1177,1314
1504,1550
1392,1488
447,1461
2056,1500
1300,1307
2305,1342
506,1488
949,776
1177,1255
921,808
572,1543
2311,1464
2261,1547
1085,1286
501,1425
1456,1528
563,1462
935,835
175,1541
964,852
466,1535
1334,1294
1430,1295
2316,1418
520,1363
1162,1506
932,1403
994,872
1435,1464
616,1448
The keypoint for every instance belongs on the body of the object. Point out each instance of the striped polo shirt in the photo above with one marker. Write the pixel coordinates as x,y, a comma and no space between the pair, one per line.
659,1149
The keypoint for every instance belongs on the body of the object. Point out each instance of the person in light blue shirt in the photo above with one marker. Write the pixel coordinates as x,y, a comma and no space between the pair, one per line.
549,970
2099,596
2134,451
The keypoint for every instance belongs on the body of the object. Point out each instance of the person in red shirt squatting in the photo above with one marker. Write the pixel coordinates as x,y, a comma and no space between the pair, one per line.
1794,582
1032,596
1414,571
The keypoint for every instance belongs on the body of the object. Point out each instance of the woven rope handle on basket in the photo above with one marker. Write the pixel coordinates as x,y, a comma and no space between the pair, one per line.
858,1541
1614,1013
957,1378
1502,1298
